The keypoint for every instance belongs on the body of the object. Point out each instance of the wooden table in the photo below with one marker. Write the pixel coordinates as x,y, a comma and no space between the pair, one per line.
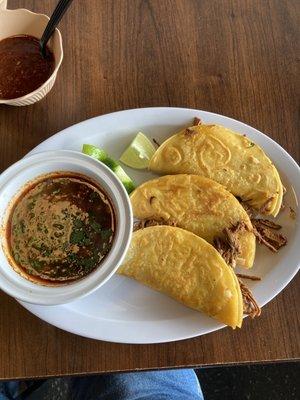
236,58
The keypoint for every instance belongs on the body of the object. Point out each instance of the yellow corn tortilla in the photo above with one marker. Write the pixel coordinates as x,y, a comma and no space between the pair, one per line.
226,157
187,268
197,204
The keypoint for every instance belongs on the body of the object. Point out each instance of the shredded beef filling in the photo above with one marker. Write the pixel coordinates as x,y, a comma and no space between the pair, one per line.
250,305
266,207
189,132
264,230
229,248
197,121
249,210
267,224
250,277
228,245
144,223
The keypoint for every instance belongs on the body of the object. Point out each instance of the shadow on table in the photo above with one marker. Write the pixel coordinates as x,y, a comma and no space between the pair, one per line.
278,381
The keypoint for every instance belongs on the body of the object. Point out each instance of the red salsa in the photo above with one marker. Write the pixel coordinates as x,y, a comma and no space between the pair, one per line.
23,69
60,228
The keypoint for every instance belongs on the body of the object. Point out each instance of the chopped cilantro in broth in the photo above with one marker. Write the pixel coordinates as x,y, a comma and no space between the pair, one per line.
61,228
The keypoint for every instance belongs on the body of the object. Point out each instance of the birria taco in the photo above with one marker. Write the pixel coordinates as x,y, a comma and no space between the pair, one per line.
202,206
226,157
187,268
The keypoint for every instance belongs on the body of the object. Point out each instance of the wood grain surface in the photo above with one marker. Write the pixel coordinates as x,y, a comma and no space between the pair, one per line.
234,57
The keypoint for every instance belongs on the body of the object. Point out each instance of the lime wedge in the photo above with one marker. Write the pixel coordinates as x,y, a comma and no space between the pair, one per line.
101,155
139,152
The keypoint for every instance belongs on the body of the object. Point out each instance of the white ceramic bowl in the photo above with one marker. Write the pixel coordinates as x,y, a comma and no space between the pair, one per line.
13,180
25,22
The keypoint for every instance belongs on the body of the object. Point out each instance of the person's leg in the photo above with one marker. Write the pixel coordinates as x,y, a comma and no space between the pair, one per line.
153,385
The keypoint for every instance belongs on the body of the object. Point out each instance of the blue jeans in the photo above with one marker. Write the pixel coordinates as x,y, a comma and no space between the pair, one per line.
153,385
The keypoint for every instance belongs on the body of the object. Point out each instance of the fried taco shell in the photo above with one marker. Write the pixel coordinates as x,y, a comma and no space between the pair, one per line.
199,205
187,268
226,157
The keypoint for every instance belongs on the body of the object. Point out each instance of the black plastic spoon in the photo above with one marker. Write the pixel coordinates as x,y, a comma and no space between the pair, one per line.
57,15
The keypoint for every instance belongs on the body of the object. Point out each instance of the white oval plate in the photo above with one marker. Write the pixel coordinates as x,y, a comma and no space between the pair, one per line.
125,311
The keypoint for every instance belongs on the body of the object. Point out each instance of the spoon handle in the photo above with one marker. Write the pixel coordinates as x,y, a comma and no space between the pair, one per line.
55,18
